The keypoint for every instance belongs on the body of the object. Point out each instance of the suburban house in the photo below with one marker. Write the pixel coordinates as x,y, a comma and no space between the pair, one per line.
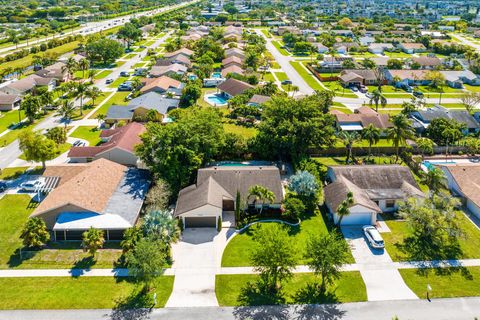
357,77
379,48
425,62
232,69
27,85
174,68
233,60
456,79
359,120
101,194
139,108
375,189
321,48
422,118
464,181
56,71
119,146
162,85
258,100
9,101
235,52
411,47
183,51
233,87
201,204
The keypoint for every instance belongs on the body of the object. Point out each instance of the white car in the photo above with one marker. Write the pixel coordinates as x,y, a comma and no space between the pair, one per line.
31,186
373,236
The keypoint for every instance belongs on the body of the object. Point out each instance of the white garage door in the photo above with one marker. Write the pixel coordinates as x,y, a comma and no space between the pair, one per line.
357,219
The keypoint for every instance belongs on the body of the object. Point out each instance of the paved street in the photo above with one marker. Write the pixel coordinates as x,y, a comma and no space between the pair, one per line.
441,309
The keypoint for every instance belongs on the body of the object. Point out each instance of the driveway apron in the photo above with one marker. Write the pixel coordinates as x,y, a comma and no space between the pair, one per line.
381,277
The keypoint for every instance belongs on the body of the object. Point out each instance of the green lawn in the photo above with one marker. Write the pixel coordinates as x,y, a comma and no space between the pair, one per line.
79,293
61,149
309,78
278,46
15,172
397,55
241,130
469,244
348,288
472,88
8,118
339,90
266,33
364,143
268,77
102,74
450,283
386,89
281,76
79,74
129,56
91,134
117,82
139,65
118,98
238,251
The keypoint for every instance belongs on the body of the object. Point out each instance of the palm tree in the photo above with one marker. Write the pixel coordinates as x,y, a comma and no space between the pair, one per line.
66,111
344,207
378,98
261,193
83,64
348,138
70,67
46,99
294,90
372,135
35,233
434,179
333,53
425,145
92,240
27,32
400,132
93,93
136,83
80,91
91,75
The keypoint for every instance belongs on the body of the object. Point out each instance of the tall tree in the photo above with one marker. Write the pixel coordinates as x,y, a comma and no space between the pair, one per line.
84,64
130,33
343,209
30,106
400,132
66,111
325,255
378,98
36,147
348,138
70,67
35,233
260,193
92,240
372,135
273,256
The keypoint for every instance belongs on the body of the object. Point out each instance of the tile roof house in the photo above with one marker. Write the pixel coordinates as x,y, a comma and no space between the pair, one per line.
101,194
422,118
28,84
358,77
359,120
162,85
183,51
427,62
9,101
233,87
235,52
412,47
119,146
201,204
233,60
138,108
464,180
232,69
55,71
375,189
379,48
174,68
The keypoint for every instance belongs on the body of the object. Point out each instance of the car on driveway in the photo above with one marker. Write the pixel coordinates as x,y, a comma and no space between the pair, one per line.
373,237
3,186
31,186
109,80
418,94
124,74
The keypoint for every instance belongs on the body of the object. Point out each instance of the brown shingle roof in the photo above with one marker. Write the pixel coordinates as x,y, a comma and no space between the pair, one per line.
467,177
164,82
365,116
232,68
89,188
8,98
234,87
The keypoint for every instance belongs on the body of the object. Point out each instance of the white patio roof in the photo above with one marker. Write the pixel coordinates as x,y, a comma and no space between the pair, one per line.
84,220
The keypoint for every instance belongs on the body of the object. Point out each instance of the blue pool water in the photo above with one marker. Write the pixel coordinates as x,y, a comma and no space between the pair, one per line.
192,77
431,165
216,99
216,75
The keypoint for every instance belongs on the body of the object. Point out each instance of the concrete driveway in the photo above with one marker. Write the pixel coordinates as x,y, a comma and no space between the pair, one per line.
194,268
381,277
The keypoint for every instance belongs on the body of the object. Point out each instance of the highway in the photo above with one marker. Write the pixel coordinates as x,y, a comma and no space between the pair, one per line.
93,27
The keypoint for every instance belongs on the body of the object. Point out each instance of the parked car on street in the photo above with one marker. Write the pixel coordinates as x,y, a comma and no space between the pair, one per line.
285,82
363,89
3,186
126,86
418,94
109,80
124,74
31,186
373,237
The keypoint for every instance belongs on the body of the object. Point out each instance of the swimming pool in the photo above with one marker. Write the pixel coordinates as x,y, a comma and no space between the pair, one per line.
216,75
430,165
216,100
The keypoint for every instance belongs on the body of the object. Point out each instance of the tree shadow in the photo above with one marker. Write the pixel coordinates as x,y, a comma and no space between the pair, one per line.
80,266
256,294
319,312
136,306
419,249
444,271
20,255
280,312
311,294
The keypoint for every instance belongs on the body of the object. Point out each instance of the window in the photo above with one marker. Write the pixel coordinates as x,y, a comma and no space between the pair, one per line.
390,203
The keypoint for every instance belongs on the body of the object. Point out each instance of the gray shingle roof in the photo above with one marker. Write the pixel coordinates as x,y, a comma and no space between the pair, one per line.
436,112
155,101
119,112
